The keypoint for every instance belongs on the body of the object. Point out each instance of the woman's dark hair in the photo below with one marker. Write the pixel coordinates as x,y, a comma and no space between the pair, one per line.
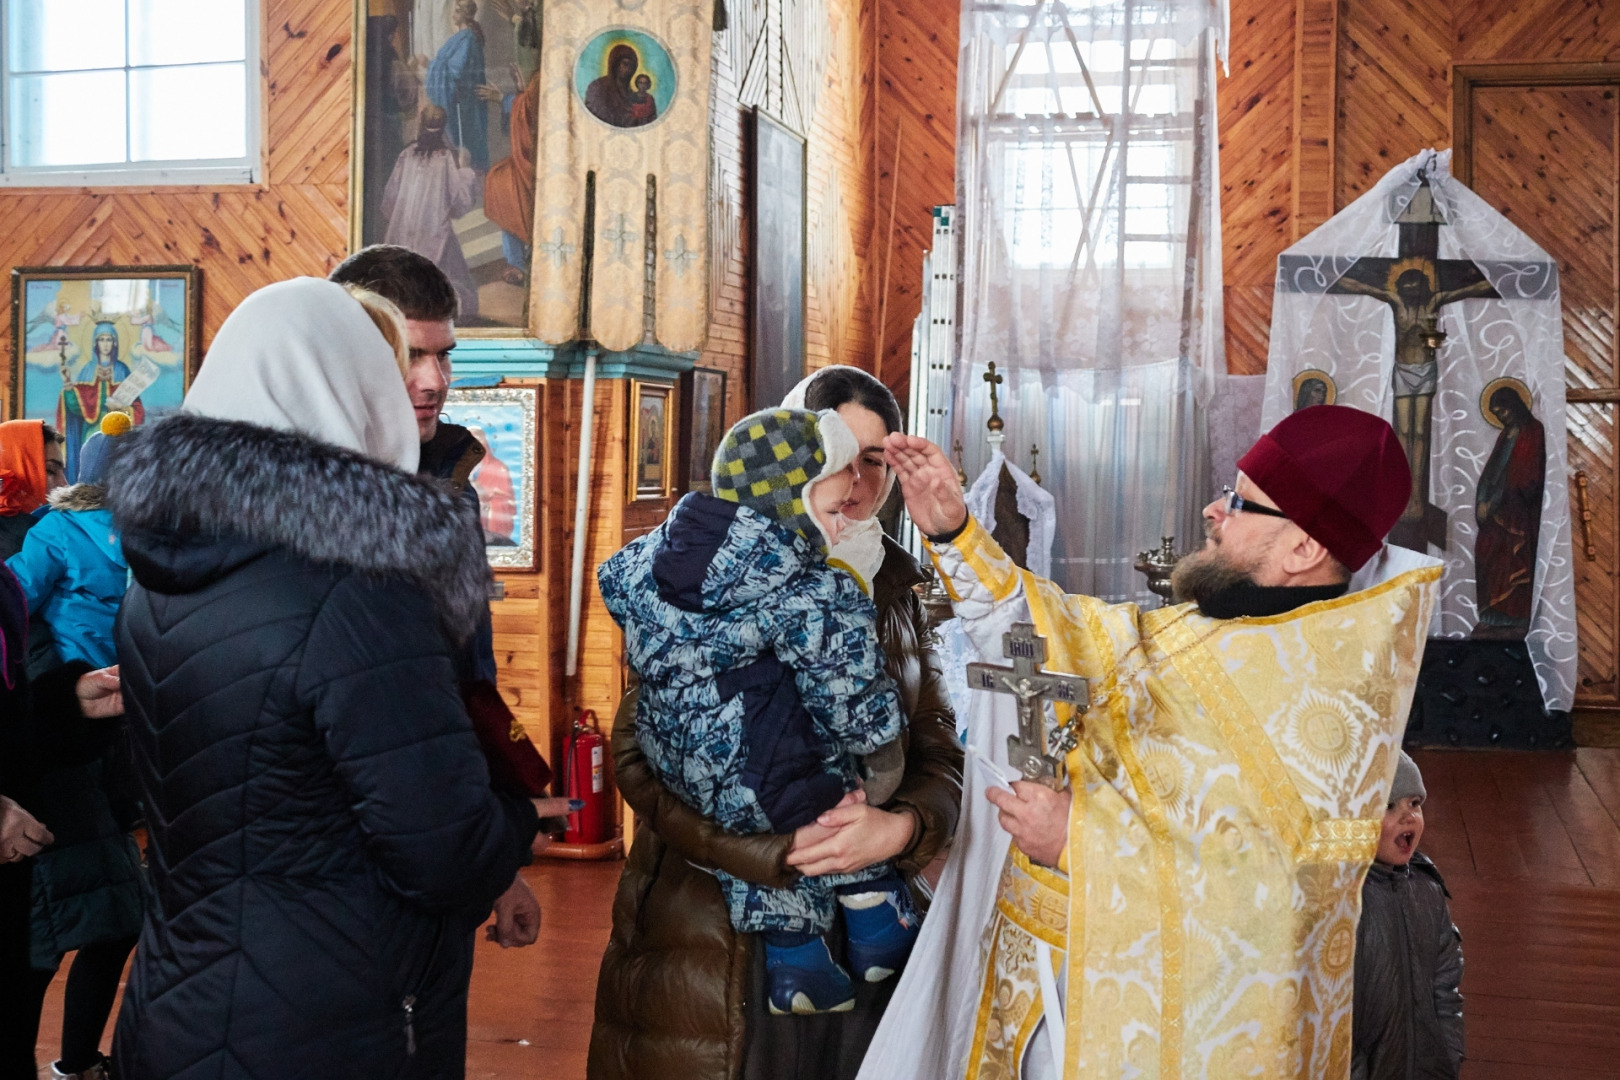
842,385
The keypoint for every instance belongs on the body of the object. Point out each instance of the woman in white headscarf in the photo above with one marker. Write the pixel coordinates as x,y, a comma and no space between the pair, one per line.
323,835
672,940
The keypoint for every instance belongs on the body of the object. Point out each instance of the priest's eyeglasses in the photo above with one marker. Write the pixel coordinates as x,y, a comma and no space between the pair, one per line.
1237,504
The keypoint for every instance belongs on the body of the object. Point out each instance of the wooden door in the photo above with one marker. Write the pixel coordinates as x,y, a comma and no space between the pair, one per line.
1541,143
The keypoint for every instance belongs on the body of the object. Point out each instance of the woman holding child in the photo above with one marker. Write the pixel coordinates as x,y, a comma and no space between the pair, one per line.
681,993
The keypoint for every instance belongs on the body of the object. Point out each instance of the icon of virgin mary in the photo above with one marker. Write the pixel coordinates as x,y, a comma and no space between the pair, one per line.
613,99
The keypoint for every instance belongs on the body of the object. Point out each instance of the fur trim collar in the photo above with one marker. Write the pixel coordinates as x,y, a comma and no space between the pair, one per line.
195,475
79,497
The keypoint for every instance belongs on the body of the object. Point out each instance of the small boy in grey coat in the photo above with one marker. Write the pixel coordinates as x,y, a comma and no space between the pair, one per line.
1408,1021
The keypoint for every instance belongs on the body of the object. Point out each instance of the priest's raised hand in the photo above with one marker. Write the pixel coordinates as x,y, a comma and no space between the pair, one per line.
928,480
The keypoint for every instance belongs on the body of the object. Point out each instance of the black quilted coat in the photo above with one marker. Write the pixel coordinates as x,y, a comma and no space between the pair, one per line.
324,838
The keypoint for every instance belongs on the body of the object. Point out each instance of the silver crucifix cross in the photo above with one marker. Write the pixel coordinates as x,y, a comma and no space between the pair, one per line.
1032,752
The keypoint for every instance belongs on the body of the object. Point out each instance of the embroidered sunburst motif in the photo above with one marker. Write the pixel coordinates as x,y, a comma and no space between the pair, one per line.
1323,732
1168,776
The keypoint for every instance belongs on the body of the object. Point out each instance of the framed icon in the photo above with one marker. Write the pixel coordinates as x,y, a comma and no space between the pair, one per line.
703,423
505,420
652,440
87,340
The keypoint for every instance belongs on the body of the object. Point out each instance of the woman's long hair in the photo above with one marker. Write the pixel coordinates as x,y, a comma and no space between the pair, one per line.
837,386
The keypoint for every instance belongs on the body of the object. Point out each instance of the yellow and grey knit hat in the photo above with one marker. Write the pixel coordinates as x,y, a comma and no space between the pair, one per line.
769,462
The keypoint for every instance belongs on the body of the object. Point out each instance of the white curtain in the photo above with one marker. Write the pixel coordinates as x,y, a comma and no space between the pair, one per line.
1090,265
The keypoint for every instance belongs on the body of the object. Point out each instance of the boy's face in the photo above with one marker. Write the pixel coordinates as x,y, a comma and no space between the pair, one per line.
827,498
1403,829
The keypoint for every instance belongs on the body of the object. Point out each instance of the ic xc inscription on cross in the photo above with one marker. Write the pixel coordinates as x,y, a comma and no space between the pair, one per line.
1035,754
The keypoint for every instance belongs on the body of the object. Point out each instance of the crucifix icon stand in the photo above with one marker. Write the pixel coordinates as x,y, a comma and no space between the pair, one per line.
1416,284
1035,753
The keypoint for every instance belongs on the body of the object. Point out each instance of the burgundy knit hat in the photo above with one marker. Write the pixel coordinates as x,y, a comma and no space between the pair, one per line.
1338,473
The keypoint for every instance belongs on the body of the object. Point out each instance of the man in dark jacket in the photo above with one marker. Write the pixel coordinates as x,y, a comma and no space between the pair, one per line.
450,453
1408,1021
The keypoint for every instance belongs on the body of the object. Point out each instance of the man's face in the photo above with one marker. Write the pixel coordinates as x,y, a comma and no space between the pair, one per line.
55,467
429,377
1238,548
1402,832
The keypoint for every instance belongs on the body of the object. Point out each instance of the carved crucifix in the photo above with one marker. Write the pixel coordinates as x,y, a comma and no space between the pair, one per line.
1416,284
1033,752
994,379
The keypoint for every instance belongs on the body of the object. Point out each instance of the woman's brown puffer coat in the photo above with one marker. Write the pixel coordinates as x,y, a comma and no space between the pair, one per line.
672,999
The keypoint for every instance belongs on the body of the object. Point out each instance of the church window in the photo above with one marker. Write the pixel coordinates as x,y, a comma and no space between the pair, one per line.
129,92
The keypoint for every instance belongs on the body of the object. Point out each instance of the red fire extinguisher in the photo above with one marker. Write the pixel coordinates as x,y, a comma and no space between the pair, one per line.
584,750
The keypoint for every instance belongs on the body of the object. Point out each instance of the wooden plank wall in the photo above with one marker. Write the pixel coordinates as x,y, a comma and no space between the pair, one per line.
1325,96
917,42
244,237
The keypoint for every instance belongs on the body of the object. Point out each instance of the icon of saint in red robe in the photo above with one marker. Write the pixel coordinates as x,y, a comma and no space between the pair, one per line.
1507,507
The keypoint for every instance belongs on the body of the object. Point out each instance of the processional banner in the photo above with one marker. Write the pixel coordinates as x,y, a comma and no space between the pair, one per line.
1421,303
626,99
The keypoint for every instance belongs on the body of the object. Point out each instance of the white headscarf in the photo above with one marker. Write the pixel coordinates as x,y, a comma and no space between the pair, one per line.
304,356
860,549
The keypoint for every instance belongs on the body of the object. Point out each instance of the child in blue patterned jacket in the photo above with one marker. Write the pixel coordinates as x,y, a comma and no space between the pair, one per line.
763,692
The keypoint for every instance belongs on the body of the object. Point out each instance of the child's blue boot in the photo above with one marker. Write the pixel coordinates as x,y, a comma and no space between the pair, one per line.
882,927
803,978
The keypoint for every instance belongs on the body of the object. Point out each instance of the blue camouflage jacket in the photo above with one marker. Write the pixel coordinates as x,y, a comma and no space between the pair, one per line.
761,673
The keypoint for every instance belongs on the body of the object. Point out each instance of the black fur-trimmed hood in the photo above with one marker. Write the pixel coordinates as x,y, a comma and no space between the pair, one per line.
197,477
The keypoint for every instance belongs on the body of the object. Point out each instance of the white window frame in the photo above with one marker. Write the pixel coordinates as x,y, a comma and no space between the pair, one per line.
246,170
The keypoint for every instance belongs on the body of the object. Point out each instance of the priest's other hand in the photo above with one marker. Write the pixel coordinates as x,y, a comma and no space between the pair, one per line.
517,917
100,694
928,481
21,834
1036,816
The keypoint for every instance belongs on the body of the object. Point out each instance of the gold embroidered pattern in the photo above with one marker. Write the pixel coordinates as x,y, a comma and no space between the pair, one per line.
1341,840
1257,757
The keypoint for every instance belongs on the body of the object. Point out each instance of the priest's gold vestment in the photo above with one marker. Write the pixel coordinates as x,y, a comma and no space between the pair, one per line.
1229,789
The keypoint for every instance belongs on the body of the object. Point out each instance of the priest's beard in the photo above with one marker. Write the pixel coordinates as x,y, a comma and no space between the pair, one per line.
1209,573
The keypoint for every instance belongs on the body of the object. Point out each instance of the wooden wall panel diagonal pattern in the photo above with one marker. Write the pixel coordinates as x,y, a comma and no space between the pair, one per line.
916,78
1316,69
1597,581
243,237
1564,137
1393,91
1256,121
1543,30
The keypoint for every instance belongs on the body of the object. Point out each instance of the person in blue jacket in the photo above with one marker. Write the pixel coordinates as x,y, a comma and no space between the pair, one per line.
72,567
763,690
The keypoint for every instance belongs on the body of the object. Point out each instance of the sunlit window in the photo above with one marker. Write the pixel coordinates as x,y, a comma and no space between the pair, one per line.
129,91
1095,151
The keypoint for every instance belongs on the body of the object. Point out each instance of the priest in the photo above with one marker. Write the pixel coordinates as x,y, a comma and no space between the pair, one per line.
1183,901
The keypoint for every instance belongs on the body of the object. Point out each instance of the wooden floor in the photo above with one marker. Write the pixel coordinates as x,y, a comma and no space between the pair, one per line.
1529,845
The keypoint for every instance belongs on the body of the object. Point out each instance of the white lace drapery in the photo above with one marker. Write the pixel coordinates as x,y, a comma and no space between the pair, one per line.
1090,264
